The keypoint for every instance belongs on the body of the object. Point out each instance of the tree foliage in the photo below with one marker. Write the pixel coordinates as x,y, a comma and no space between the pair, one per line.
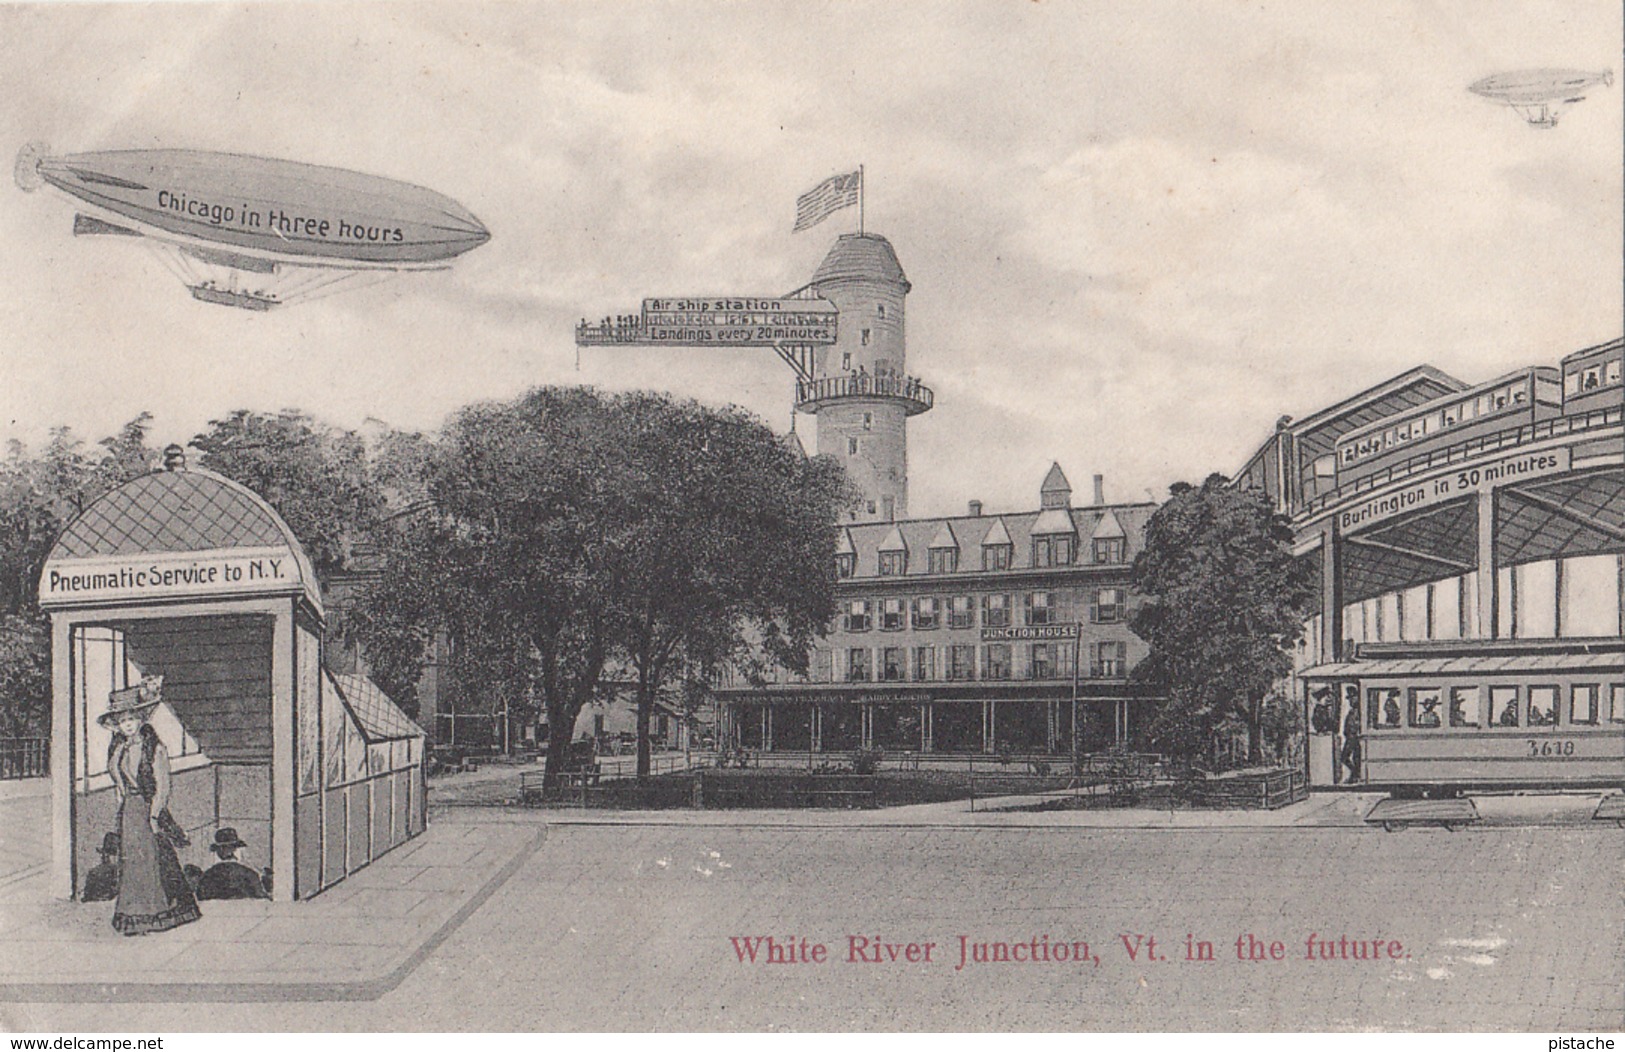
1224,602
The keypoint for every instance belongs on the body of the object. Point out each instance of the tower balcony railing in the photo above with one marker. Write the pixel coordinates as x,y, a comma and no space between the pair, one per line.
813,395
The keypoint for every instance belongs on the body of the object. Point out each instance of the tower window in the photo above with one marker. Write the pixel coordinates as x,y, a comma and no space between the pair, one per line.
866,337
852,450
880,308
868,421
846,359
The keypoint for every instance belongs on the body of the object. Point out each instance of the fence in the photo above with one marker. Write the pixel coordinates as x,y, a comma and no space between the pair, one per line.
25,757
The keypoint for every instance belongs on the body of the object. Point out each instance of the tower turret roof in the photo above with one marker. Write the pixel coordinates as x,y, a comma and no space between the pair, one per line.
861,257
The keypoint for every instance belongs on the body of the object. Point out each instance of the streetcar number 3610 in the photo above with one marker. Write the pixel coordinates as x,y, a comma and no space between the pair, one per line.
1551,748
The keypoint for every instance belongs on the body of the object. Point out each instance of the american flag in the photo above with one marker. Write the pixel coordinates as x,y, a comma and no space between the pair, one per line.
831,195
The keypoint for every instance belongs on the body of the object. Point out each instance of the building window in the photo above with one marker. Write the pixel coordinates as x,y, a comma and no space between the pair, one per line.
944,560
1466,707
995,611
1382,708
821,663
871,507
857,615
1583,703
927,614
846,360
1110,659
866,337
1110,549
1425,707
996,556
960,612
1108,608
893,564
891,664
1504,703
852,451
925,664
846,564
1052,550
996,661
962,662
1038,608
868,421
1041,664
857,665
1542,706
891,615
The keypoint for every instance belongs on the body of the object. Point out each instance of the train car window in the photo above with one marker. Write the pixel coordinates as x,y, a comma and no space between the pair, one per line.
1616,703
1382,708
1504,703
1583,703
1466,707
1452,416
1424,706
1614,369
1542,706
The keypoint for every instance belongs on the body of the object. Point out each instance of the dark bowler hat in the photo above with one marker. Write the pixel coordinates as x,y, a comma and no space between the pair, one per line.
111,844
226,839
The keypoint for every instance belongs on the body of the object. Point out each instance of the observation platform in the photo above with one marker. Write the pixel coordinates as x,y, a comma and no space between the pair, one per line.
814,395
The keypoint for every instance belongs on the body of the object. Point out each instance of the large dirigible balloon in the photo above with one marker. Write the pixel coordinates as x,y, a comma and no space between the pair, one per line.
254,232
1539,96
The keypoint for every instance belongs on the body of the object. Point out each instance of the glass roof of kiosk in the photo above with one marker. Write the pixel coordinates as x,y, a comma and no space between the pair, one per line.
174,534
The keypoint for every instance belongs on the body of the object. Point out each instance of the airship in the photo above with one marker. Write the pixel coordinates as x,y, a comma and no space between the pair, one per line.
1539,96
256,232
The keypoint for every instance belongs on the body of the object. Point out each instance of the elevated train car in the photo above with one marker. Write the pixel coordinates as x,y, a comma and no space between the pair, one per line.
1470,552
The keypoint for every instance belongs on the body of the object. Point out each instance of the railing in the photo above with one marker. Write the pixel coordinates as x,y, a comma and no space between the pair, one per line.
918,396
25,758
1464,451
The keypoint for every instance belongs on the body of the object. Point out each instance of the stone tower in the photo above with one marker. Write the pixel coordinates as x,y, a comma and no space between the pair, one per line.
861,392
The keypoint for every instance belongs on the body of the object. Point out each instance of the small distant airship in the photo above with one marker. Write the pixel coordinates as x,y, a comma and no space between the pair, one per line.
1540,95
253,232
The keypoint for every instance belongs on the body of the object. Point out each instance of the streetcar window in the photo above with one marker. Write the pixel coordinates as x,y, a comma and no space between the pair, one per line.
1583,703
1466,707
1542,706
1614,370
1504,703
1616,703
1424,706
1452,416
1382,708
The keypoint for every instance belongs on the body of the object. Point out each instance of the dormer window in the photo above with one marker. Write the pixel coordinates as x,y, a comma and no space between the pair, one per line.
893,564
1110,549
944,560
846,565
1053,550
996,556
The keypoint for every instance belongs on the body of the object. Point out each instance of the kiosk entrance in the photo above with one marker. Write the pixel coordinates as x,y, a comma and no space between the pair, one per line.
190,576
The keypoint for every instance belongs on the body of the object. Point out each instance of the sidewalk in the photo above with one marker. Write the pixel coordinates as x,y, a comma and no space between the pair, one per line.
356,941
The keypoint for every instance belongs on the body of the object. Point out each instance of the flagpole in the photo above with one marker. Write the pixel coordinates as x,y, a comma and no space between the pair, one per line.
860,200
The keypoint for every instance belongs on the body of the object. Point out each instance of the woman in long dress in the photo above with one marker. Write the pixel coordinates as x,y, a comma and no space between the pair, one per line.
153,891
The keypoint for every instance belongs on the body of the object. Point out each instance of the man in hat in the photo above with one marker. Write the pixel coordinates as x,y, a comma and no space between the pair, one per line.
229,878
101,883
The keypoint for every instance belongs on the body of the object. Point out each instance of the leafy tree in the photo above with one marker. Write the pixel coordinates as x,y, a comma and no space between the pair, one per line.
1224,602
319,478
727,545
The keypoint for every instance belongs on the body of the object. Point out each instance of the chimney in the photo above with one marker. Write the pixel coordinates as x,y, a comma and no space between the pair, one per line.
174,458
1100,490
974,509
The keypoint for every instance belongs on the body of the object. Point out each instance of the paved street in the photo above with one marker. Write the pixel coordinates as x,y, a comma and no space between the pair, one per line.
628,927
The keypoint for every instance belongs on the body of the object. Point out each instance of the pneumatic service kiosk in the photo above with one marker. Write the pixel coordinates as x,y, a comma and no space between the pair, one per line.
188,575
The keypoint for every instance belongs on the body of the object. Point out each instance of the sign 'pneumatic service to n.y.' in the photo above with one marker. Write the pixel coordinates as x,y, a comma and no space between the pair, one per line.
168,576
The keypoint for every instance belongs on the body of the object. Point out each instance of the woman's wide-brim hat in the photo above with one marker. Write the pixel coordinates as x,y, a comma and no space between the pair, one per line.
138,700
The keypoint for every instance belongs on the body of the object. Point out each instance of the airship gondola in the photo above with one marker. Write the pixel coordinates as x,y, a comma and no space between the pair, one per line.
256,232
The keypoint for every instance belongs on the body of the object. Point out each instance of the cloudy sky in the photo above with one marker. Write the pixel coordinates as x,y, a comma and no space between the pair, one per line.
1137,232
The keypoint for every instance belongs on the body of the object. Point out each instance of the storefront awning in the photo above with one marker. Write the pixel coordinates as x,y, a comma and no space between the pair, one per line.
1464,665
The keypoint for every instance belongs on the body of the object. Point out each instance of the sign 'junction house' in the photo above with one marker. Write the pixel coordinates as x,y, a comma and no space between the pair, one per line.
189,576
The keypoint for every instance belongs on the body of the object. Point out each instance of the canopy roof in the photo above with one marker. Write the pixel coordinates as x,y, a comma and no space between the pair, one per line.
378,717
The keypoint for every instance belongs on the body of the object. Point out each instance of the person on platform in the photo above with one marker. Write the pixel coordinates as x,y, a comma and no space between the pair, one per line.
1351,741
153,895
229,878
101,883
